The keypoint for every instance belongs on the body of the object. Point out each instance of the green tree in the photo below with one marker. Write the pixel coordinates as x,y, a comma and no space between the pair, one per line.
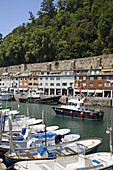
1,38
32,17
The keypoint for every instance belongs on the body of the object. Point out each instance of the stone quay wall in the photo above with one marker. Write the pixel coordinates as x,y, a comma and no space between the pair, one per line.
105,61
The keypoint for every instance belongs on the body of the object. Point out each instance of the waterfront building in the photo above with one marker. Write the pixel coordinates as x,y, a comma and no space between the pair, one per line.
57,82
33,79
94,82
14,82
5,83
91,82
23,81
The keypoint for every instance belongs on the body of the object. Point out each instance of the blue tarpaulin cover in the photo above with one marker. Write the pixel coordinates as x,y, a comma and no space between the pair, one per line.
94,160
41,150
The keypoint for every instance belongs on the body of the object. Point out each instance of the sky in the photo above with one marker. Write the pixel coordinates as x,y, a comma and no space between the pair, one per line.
14,13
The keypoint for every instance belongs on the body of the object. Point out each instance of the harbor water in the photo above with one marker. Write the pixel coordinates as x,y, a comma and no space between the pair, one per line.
86,128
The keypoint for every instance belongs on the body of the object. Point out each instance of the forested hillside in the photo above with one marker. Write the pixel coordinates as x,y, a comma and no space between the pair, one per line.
63,29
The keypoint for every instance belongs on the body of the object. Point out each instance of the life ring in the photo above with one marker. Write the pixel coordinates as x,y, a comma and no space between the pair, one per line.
91,114
71,112
82,113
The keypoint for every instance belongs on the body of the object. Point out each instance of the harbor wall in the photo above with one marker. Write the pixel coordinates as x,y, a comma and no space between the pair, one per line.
105,61
91,100
100,101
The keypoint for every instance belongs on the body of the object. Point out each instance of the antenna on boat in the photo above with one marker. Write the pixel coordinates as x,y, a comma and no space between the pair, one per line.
1,127
12,149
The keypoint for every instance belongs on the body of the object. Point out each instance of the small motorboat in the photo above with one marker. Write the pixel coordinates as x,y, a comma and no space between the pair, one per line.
88,145
96,161
75,108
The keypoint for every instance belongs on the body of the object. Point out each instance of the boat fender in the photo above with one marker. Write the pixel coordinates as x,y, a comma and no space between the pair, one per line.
61,110
36,130
55,109
82,113
91,114
71,112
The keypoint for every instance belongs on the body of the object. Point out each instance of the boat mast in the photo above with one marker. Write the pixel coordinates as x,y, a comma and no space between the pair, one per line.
43,116
1,127
45,134
110,130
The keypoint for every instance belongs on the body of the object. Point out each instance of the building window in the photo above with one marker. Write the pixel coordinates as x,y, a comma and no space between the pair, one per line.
97,72
51,84
77,78
51,78
30,78
100,85
30,84
91,85
84,84
40,78
107,84
91,78
84,78
21,84
71,84
57,78
107,78
92,72
46,78
35,84
64,84
57,84
35,78
46,84
40,84
25,78
99,78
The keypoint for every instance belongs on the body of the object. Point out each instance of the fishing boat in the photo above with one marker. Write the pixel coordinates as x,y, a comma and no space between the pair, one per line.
95,161
5,96
89,145
75,108
37,96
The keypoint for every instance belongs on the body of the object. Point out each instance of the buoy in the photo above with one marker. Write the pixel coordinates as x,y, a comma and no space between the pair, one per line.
61,110
36,130
81,113
71,112
91,114
55,109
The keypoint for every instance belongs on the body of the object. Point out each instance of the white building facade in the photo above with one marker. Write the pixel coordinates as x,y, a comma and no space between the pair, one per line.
57,83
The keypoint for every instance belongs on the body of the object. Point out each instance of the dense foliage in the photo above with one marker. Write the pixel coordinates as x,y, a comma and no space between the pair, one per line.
63,29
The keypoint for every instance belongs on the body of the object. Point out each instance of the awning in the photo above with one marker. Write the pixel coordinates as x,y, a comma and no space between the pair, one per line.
98,91
91,91
83,90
